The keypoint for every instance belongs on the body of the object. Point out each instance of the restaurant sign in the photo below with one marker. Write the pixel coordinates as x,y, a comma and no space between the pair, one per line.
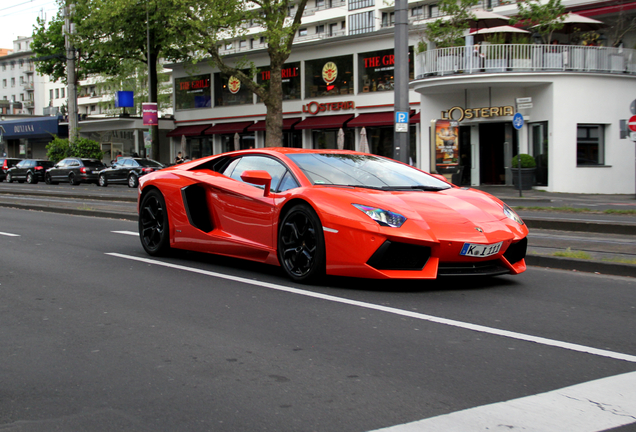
458,113
315,107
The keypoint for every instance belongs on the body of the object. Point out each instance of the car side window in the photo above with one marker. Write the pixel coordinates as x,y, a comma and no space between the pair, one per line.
248,163
129,163
288,182
22,164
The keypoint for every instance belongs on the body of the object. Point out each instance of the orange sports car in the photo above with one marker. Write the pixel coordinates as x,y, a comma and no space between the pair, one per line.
317,212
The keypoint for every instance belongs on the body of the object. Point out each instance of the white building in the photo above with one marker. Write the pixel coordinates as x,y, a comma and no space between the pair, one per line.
576,127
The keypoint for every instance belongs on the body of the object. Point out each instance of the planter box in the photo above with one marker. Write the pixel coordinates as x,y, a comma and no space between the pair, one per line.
527,177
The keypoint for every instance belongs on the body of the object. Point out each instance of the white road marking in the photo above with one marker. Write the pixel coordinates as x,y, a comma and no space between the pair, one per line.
9,234
588,407
130,233
410,314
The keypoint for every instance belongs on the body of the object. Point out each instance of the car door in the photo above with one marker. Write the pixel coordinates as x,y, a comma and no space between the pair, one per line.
20,169
57,173
242,209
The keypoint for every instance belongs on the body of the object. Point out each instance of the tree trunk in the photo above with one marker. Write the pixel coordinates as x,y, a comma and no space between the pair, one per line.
274,104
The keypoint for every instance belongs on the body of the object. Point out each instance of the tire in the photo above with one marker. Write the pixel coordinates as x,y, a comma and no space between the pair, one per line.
133,181
48,180
154,227
101,181
9,178
72,180
31,179
301,244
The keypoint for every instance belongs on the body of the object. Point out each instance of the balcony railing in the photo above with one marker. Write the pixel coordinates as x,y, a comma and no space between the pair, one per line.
28,85
524,58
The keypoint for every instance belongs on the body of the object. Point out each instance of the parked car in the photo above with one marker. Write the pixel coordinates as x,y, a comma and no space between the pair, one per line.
127,170
5,164
31,170
75,171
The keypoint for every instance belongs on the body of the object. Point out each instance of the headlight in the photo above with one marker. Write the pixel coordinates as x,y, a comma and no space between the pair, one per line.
381,216
510,214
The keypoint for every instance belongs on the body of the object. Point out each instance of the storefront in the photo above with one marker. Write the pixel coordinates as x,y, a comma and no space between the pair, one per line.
28,138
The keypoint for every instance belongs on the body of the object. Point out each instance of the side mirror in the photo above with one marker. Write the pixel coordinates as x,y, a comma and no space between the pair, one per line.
258,177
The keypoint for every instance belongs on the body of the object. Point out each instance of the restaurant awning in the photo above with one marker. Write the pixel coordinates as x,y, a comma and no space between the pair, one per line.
192,130
415,119
228,128
373,119
324,122
32,128
261,126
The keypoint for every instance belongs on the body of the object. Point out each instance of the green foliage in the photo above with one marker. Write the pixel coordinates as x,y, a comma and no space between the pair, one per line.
496,38
59,148
544,18
449,30
527,161
520,39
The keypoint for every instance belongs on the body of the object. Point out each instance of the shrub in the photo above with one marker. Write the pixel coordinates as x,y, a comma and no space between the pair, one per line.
60,148
57,149
527,161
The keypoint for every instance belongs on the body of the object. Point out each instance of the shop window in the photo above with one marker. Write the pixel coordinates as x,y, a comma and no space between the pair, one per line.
229,91
291,80
362,23
193,92
376,68
359,4
590,145
329,76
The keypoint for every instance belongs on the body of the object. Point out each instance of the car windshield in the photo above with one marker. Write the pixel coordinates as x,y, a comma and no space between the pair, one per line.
364,171
149,163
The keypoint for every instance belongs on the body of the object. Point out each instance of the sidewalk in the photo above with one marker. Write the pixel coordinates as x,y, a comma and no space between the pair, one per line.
592,241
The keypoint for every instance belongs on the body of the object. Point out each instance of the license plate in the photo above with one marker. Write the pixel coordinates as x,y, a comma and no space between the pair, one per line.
480,250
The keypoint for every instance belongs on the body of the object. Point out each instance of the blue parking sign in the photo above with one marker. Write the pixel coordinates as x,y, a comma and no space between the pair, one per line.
401,117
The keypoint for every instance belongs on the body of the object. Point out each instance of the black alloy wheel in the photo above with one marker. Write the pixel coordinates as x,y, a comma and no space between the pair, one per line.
153,224
31,179
9,178
301,244
133,181
101,181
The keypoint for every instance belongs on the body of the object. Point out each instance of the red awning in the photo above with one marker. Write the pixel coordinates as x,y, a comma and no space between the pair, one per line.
415,119
193,130
228,128
373,119
324,122
287,124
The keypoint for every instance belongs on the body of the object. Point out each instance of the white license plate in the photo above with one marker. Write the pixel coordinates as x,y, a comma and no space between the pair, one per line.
480,250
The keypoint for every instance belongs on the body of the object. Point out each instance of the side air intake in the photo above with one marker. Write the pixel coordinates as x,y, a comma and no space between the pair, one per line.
196,206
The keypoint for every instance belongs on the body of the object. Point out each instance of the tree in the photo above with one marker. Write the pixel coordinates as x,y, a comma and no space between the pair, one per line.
59,148
206,24
455,19
545,18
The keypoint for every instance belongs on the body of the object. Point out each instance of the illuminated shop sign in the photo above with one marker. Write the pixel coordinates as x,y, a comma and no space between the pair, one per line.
291,82
315,107
193,92
376,68
459,113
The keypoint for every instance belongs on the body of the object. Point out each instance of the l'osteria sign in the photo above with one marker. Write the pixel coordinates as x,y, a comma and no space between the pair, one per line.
458,113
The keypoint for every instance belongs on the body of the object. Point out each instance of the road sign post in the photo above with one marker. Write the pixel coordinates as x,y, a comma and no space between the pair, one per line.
517,123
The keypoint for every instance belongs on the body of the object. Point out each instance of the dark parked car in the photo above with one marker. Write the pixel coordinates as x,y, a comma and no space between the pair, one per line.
127,170
31,170
75,171
5,164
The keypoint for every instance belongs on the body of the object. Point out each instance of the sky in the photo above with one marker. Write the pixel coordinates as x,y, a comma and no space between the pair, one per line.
17,18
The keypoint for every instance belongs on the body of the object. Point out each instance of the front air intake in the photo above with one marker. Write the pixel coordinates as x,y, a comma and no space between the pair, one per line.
516,251
400,256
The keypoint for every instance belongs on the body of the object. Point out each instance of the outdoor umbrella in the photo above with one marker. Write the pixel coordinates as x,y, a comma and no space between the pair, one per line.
364,144
483,19
575,21
237,141
341,139
499,29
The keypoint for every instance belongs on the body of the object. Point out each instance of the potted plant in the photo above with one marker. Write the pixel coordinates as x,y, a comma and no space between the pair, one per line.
526,172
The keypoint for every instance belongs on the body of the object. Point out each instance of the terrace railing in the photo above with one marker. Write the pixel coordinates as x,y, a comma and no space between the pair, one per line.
488,58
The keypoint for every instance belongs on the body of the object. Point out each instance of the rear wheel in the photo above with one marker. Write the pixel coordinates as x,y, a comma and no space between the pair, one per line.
31,179
153,224
9,178
101,181
301,244
72,179
133,181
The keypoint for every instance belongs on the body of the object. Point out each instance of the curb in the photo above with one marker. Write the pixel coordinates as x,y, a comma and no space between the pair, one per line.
564,225
616,269
75,212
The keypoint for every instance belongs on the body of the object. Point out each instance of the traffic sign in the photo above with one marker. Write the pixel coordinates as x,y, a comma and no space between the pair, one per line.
631,123
524,105
524,100
401,121
517,121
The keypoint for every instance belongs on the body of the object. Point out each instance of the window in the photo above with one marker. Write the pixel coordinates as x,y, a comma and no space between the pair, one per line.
302,32
21,96
590,145
51,94
243,44
57,93
359,4
388,19
63,92
433,11
275,169
320,29
417,12
12,82
320,3
4,83
361,23
228,46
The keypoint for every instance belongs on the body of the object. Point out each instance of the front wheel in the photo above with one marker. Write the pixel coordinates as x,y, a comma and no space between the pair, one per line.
133,181
301,244
153,224
101,181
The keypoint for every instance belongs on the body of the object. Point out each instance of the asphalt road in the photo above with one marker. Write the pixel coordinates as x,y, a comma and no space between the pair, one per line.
98,336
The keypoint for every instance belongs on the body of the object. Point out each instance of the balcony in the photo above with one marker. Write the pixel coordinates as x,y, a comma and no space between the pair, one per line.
29,68
28,86
319,36
28,104
524,58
